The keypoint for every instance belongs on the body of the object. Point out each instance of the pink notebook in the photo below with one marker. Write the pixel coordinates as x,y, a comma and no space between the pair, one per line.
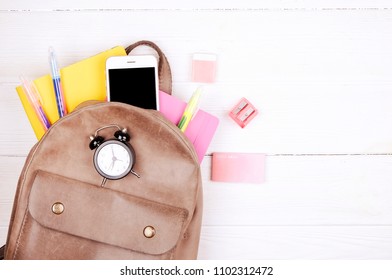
200,130
238,167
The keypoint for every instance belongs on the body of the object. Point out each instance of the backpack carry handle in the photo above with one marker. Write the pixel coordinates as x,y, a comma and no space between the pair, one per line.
164,72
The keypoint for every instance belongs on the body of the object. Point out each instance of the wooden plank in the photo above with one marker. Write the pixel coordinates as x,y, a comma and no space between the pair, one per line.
16,136
201,4
10,168
297,242
305,190
285,47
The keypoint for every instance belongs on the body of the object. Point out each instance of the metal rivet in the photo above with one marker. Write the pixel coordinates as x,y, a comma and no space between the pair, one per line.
149,231
58,208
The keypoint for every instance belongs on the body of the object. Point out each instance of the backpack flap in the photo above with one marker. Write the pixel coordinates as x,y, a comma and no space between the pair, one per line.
60,204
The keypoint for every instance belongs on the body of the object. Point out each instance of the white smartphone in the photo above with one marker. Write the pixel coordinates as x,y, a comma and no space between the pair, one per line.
133,80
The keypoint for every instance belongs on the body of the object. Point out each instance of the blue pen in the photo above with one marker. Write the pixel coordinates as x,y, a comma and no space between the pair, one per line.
57,84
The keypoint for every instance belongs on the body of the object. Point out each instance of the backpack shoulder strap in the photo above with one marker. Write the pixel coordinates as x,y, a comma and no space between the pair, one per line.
2,252
164,72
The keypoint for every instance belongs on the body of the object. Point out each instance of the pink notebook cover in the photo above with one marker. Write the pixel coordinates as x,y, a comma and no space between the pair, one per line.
200,130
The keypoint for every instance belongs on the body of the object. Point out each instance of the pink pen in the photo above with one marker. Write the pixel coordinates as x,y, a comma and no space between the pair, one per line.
35,101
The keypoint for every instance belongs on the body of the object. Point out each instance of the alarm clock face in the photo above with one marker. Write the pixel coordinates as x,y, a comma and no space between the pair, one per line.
114,159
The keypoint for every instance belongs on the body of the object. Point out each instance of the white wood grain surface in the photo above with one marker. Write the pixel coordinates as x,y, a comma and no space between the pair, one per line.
319,72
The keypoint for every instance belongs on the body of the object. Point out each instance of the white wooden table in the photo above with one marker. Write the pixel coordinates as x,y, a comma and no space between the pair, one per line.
320,72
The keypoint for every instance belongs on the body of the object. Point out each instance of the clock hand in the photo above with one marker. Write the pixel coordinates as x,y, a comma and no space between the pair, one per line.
114,158
112,165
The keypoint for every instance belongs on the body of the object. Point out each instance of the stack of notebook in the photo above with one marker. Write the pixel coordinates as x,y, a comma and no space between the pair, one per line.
85,80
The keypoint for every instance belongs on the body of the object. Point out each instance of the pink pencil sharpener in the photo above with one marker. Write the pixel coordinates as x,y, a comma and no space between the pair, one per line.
243,112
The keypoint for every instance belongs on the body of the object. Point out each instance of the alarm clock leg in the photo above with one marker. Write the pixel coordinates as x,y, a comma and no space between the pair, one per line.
103,182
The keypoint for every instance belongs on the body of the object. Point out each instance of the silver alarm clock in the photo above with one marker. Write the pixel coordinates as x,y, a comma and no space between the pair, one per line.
114,158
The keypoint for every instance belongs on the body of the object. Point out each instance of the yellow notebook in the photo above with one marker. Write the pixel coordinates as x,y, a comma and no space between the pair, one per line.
82,81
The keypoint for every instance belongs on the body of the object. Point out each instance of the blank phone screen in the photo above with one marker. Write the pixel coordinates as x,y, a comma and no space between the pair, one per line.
134,86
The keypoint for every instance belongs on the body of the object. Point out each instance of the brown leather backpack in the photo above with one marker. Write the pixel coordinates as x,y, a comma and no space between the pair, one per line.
64,209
